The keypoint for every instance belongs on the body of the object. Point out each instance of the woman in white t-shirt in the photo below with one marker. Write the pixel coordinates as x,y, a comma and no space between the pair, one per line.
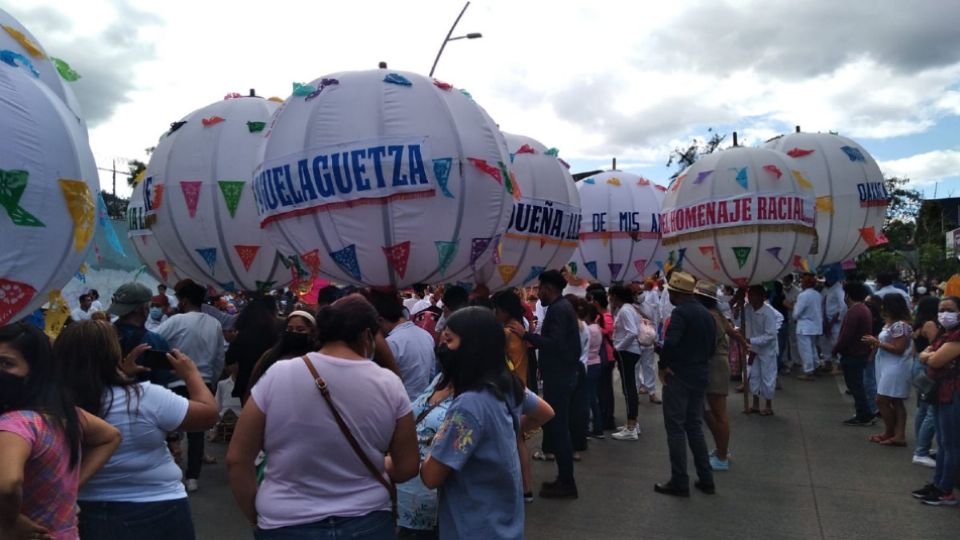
138,494
315,484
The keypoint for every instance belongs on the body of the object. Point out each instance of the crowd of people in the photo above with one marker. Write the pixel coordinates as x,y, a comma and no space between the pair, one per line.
380,415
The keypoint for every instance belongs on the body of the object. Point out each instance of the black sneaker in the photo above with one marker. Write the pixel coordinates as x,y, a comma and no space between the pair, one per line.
708,489
558,490
925,490
859,422
940,499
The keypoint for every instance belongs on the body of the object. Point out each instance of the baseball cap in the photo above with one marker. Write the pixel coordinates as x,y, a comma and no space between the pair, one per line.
129,297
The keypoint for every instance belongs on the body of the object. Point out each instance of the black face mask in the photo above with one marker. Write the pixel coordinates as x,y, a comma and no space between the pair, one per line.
295,341
13,391
450,361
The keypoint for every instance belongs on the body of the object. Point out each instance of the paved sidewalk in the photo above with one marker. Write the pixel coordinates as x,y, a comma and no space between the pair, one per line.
798,474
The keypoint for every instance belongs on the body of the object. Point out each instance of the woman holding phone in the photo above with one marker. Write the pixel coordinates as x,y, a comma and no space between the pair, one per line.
138,494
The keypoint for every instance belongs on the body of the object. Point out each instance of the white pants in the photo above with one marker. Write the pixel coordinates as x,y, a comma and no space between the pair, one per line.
792,345
827,343
763,375
647,370
807,347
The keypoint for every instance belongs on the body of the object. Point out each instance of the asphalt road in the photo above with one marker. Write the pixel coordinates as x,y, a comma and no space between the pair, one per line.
797,474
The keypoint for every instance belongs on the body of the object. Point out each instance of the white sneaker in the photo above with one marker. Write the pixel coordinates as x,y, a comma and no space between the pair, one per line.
627,435
192,485
926,461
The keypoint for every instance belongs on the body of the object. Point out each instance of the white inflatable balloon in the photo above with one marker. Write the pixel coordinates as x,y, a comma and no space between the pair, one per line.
147,248
740,217
48,182
199,197
851,197
619,231
385,178
18,47
545,223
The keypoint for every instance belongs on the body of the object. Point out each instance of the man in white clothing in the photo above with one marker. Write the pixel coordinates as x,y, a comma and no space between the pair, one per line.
83,312
834,307
808,316
885,282
200,337
763,324
790,295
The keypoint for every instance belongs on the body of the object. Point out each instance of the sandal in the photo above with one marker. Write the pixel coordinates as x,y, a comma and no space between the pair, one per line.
879,438
540,456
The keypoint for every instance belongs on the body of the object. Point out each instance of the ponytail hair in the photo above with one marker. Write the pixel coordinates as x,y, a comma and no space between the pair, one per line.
346,319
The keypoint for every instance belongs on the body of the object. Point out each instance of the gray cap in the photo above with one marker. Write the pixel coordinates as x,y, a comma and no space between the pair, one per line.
129,297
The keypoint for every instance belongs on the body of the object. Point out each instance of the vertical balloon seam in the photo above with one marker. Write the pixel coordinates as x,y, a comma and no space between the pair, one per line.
386,210
866,176
759,238
227,250
824,248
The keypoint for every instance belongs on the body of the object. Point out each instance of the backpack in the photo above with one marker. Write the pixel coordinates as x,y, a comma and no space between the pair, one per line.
646,333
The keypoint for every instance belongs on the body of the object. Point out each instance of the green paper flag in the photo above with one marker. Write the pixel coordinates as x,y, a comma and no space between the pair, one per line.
65,70
12,185
741,253
232,190
446,251
256,126
552,152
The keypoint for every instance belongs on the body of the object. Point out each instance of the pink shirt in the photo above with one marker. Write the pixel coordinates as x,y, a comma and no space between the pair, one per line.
596,340
49,484
312,472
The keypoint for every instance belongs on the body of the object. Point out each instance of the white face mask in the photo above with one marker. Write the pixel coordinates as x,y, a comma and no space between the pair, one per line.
948,319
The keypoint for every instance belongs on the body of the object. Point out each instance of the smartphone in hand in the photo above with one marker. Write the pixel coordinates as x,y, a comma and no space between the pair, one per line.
155,359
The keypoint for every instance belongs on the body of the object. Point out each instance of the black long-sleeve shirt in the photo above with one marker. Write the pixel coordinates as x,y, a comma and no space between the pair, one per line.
689,343
558,341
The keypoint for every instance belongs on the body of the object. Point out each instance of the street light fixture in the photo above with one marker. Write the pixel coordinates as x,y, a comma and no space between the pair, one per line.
472,35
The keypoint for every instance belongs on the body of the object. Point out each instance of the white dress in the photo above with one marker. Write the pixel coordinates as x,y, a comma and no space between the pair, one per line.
893,370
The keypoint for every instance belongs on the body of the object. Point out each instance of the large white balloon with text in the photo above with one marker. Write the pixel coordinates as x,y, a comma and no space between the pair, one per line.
386,179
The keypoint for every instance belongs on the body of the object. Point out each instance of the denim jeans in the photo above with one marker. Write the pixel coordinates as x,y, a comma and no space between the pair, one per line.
161,520
558,392
683,420
853,367
925,424
593,401
948,444
870,385
373,526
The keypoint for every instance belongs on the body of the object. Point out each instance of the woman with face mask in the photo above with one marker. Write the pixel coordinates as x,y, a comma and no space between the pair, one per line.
942,359
41,435
299,337
257,329
474,453
328,421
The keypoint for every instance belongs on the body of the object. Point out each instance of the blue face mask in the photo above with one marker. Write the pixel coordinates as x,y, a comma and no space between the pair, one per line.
156,313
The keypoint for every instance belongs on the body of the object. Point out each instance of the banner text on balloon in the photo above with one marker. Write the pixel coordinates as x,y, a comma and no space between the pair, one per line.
344,176
758,209
873,194
548,221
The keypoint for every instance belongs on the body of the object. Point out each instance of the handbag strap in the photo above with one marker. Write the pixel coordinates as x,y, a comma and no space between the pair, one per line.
325,392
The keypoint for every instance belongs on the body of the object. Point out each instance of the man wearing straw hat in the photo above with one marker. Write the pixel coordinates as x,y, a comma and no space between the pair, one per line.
684,371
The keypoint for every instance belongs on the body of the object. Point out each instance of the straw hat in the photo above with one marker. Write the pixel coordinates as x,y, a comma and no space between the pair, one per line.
682,282
706,289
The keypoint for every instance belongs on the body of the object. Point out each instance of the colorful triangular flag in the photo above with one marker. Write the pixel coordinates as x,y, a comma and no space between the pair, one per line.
710,251
232,191
803,182
247,255
446,251
82,211
486,168
396,78
398,255
535,272
346,259
525,149
825,204
191,195
477,248
742,254
774,170
592,268
741,176
701,176
614,181
211,121
775,251
507,272
12,185
441,169
798,152
853,153
256,127
640,265
614,270
209,256
163,270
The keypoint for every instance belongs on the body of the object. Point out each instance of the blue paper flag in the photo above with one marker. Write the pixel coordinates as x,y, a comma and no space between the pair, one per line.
590,181
106,224
346,259
16,59
535,272
680,254
229,286
446,251
741,176
853,153
614,269
396,78
209,256
592,268
441,169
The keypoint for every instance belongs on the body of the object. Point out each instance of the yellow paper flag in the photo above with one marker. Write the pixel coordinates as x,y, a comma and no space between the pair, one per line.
804,183
139,177
56,315
614,181
825,204
32,48
507,271
82,210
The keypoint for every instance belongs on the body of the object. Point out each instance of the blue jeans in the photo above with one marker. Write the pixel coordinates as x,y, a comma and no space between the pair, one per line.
925,424
161,520
593,398
948,444
374,526
870,385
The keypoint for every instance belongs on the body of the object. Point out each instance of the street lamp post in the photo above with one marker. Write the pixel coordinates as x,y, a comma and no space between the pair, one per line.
472,35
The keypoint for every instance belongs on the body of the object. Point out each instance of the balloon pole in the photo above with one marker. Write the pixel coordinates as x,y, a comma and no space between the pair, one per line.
743,355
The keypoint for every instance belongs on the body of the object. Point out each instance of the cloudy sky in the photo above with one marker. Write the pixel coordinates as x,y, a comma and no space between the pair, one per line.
625,79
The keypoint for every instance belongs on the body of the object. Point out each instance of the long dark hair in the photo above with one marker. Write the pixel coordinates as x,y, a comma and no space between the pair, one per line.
259,317
88,360
509,303
481,351
927,310
45,393
280,351
895,306
346,319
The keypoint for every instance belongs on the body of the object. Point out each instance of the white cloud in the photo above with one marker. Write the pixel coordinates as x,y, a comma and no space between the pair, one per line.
925,169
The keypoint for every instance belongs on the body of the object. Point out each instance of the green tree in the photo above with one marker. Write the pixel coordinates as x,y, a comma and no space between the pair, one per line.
684,157
900,228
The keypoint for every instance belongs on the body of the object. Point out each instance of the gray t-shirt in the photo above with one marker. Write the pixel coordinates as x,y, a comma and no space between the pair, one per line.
412,348
482,497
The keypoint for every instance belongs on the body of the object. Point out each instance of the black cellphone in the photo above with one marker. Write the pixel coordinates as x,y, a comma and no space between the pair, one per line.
154,359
